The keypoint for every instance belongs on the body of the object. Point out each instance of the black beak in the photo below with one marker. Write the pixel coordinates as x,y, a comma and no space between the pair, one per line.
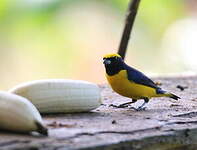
106,61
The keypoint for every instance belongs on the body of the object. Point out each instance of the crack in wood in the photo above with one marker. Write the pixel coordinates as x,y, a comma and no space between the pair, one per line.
187,115
182,122
110,132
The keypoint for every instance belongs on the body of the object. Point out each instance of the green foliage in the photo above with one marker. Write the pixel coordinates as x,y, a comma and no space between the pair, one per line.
159,14
45,37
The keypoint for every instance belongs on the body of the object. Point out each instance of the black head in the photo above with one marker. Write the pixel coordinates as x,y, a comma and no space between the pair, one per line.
113,64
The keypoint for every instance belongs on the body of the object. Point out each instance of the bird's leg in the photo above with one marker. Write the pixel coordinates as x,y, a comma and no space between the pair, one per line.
146,100
127,104
124,104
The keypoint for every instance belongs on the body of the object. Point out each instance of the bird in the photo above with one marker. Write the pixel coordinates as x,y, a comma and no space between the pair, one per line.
129,82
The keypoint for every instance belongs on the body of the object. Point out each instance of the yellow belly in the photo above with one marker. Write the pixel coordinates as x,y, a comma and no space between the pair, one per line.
124,87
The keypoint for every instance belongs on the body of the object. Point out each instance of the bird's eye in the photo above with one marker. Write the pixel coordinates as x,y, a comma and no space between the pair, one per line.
107,61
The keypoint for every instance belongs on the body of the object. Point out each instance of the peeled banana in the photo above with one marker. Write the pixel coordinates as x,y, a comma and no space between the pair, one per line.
60,95
19,115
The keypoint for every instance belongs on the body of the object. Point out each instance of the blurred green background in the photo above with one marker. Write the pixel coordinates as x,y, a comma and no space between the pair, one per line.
67,38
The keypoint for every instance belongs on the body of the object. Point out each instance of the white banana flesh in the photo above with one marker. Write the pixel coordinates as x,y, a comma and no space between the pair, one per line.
19,115
60,95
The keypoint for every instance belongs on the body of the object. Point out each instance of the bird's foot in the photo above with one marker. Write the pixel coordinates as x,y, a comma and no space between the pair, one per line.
141,108
123,105
112,105
133,108
138,109
119,106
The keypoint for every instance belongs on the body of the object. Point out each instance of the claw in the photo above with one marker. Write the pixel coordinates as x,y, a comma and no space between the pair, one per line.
118,106
123,105
133,108
141,108
112,105
138,109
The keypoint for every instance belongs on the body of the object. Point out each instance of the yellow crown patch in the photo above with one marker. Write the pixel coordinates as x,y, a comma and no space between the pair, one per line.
111,55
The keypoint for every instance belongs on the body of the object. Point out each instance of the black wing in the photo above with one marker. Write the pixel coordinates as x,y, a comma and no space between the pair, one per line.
138,77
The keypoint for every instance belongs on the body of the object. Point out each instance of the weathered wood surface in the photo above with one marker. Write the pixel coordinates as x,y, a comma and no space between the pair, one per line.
165,125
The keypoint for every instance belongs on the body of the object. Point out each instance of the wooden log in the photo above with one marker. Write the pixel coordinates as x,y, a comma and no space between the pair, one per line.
165,125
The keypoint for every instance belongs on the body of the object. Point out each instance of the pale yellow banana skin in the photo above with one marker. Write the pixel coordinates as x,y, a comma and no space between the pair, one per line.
60,95
18,114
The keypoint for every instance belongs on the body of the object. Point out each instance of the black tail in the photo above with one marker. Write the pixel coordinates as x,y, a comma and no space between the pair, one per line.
174,96
166,94
41,129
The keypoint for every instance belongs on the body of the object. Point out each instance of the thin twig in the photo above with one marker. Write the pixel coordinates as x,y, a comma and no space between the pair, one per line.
132,11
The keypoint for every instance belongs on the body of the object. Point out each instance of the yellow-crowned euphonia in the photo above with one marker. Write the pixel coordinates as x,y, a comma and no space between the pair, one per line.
130,82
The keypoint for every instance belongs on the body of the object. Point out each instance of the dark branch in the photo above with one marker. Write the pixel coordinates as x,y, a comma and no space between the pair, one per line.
132,11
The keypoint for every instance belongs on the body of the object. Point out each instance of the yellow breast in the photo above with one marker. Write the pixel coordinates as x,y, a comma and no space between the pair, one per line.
123,86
